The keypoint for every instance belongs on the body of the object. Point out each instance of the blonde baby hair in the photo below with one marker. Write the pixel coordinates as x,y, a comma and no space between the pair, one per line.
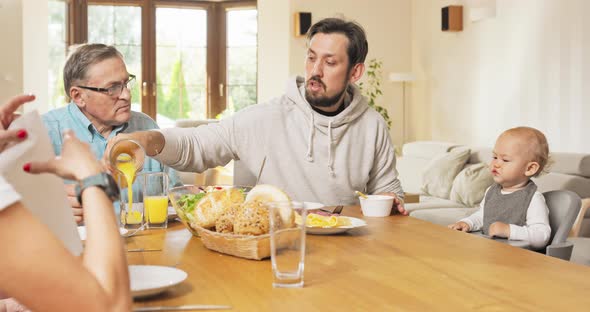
538,148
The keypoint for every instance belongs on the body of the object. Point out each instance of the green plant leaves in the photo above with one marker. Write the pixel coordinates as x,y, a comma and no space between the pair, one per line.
372,88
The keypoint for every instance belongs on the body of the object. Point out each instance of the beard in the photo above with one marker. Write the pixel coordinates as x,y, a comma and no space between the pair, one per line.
322,101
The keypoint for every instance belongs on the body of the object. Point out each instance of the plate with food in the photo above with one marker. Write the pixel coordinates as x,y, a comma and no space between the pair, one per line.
320,224
311,205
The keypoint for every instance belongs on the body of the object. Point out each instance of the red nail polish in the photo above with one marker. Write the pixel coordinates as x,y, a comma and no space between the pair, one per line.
27,167
22,133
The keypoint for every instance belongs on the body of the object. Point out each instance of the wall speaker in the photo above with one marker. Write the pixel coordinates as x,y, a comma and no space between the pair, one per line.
302,23
452,18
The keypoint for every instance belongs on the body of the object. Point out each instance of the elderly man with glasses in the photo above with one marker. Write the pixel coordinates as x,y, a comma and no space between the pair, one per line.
98,86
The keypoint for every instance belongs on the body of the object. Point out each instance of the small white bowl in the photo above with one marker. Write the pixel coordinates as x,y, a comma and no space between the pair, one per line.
376,205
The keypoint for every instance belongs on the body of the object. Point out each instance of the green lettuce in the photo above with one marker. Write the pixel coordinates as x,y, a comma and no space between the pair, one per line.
188,202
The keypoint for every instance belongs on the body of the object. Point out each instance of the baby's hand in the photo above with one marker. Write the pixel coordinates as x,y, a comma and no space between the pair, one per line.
460,226
499,229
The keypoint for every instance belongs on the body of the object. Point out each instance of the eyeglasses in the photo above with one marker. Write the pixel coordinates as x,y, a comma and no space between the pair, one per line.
116,89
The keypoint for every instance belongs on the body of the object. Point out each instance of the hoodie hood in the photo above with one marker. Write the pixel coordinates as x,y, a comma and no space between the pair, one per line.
357,106
334,127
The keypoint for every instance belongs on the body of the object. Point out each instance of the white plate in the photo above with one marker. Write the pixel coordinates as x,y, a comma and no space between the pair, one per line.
310,205
148,280
82,232
355,223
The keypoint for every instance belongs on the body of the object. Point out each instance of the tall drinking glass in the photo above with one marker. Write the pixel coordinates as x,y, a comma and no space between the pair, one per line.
126,159
287,243
131,203
155,199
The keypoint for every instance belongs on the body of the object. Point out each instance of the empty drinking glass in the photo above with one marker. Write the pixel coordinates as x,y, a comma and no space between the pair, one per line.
287,243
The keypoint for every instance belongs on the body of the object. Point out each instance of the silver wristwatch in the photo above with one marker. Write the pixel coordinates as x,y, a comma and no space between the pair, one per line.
103,180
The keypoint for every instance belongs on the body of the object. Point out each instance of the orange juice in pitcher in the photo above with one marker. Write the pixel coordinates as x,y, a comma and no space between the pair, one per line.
127,157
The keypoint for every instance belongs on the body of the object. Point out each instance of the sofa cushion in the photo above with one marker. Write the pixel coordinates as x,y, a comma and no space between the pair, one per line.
410,173
444,216
429,202
426,149
571,163
438,176
559,181
471,183
480,155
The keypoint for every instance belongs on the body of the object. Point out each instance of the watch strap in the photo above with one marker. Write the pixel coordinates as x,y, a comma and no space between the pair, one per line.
103,180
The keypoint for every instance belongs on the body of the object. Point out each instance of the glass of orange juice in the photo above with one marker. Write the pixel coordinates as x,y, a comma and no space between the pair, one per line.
155,199
131,203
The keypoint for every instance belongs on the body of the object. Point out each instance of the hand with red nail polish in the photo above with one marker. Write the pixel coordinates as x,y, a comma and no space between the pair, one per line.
21,134
7,116
8,110
76,161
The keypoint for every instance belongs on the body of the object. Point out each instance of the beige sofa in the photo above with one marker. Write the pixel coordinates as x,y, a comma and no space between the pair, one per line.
569,171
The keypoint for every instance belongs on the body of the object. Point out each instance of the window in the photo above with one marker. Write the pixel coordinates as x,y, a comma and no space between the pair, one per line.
192,59
119,26
58,11
241,58
181,64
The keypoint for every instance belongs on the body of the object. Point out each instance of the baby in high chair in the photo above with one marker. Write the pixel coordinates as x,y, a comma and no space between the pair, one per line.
512,207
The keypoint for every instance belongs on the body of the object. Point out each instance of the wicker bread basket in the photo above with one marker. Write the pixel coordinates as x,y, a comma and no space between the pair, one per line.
245,246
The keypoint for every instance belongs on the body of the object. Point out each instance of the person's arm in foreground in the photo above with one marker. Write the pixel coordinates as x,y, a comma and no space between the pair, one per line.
38,270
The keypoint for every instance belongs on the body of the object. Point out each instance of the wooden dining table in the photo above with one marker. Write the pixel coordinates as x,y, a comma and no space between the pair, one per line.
395,263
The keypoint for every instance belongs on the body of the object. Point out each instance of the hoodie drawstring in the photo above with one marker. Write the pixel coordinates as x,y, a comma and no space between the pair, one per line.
309,155
330,159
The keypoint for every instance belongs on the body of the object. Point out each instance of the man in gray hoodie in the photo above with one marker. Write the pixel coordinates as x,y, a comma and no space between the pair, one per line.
321,140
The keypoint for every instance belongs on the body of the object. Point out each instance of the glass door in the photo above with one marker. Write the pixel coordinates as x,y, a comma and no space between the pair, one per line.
192,59
181,64
241,58
58,42
120,26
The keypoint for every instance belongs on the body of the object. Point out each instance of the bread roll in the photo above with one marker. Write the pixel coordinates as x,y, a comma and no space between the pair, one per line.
214,204
252,219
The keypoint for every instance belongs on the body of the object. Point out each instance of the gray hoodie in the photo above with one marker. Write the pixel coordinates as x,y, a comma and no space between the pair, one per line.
311,156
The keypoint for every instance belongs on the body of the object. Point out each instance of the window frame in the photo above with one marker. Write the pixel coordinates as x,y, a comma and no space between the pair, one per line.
217,92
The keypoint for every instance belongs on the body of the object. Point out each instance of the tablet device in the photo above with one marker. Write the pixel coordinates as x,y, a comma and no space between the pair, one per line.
44,194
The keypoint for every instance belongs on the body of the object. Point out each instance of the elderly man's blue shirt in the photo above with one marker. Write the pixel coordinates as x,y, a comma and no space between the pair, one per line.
70,117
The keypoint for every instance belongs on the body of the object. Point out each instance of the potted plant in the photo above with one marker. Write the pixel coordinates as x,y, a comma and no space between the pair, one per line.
372,88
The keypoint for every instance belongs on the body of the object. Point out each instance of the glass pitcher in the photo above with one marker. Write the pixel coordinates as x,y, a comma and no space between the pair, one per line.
126,158
127,152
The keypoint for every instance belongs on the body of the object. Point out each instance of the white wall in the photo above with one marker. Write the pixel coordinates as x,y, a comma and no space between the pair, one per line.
24,58
11,79
36,52
388,27
528,65
273,48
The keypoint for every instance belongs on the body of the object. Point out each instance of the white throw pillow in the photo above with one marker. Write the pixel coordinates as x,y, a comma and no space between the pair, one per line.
438,176
470,184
